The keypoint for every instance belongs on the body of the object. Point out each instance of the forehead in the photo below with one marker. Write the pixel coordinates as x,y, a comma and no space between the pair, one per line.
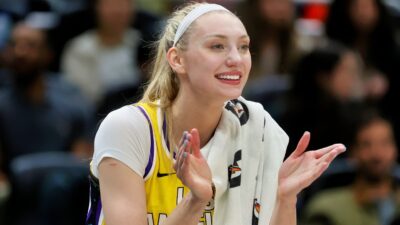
376,128
218,23
23,32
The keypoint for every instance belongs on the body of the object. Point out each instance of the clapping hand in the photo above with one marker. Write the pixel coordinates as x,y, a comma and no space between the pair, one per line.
191,167
302,167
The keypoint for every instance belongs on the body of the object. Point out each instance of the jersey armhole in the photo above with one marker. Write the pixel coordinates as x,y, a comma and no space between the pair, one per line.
150,163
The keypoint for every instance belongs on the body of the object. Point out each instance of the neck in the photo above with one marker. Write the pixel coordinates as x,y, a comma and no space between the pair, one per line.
187,113
366,192
272,37
361,44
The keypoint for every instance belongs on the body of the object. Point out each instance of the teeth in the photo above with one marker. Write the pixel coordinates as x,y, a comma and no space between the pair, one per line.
228,77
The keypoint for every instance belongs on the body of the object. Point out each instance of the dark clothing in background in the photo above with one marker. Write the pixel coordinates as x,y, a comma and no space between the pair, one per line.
51,126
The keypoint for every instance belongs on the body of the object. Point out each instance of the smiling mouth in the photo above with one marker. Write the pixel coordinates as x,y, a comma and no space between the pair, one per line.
228,77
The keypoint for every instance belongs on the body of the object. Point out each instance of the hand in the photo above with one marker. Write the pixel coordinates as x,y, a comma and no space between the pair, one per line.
302,167
191,167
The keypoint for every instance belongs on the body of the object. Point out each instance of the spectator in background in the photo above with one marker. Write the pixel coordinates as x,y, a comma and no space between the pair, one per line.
103,61
271,25
274,49
373,196
367,27
42,110
327,91
39,112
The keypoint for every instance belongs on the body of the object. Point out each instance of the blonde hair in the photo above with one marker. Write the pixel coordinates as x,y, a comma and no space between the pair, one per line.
164,84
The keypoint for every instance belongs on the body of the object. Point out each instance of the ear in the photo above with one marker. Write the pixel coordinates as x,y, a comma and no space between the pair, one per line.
175,60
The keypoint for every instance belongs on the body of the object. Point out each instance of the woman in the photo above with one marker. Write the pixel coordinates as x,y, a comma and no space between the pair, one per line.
224,169
270,24
328,90
367,27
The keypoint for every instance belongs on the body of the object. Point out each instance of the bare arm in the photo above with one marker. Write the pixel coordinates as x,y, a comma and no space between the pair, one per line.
298,171
123,193
284,212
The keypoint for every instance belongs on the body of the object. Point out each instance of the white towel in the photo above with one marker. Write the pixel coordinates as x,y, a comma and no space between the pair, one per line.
251,145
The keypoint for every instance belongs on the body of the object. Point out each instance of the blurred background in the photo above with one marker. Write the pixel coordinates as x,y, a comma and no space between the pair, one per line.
331,67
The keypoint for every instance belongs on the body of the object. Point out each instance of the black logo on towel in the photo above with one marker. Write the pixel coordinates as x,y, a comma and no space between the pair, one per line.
256,212
234,170
239,109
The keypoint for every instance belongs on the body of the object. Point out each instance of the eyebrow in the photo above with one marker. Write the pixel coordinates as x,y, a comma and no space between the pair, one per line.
225,37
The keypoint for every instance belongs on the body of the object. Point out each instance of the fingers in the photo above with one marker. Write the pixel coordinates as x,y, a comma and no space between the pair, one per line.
195,142
184,157
189,144
182,149
185,153
302,145
323,164
314,174
323,151
330,156
183,138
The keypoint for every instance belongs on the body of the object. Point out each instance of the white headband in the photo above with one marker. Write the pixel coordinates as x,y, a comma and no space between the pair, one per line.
192,16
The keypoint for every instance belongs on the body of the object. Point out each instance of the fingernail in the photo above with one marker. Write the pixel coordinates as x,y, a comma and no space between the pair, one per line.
185,143
184,155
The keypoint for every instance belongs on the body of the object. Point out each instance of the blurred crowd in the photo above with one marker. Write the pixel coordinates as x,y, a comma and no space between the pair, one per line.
331,67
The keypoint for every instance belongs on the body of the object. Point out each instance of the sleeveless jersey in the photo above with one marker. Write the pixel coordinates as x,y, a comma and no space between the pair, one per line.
163,188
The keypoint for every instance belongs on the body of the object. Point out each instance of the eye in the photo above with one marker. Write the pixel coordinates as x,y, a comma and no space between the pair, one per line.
244,47
218,46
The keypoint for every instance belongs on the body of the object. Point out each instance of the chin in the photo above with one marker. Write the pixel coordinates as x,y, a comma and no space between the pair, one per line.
230,96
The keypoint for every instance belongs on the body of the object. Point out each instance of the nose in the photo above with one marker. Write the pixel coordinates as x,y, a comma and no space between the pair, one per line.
234,57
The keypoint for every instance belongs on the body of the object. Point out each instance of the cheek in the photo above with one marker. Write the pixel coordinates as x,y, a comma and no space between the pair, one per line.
248,63
199,71
391,154
345,82
340,84
205,64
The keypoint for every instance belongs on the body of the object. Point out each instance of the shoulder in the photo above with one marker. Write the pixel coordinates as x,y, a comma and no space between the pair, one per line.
122,130
124,135
125,117
330,200
335,206
126,123
83,42
132,37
